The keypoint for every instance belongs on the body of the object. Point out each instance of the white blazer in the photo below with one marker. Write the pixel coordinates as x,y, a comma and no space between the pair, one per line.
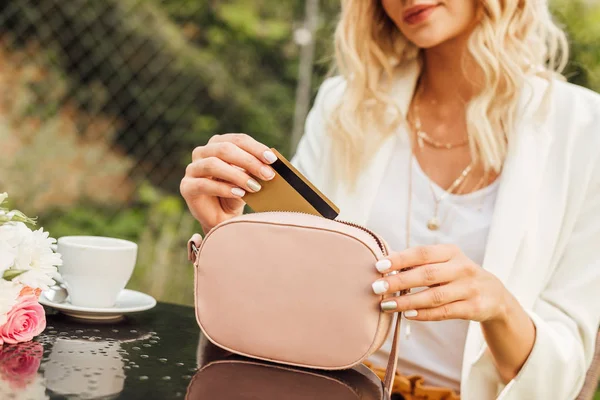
544,242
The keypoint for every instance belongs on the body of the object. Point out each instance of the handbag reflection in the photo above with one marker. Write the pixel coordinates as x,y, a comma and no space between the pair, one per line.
234,379
294,289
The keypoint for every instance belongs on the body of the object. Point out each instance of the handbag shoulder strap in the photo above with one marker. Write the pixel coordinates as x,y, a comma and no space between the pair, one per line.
390,371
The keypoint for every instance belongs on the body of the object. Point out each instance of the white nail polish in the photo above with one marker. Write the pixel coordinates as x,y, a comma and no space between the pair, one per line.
267,172
410,313
383,265
380,286
389,305
238,192
270,156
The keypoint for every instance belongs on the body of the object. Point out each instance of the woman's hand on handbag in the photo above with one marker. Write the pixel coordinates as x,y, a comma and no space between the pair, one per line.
457,288
220,174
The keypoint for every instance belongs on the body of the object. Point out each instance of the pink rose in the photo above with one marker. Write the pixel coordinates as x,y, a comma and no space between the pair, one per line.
24,321
19,363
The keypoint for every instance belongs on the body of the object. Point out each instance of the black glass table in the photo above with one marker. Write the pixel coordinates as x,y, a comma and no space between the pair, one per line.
158,354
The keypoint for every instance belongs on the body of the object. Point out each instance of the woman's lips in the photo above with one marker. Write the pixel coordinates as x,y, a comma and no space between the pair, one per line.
418,13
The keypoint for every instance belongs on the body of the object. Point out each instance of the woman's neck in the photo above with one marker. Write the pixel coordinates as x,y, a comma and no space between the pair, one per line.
450,73
449,80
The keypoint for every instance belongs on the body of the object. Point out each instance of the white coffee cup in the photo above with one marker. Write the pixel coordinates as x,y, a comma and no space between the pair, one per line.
95,269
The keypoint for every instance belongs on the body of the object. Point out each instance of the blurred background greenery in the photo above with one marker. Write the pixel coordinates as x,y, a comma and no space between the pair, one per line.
103,101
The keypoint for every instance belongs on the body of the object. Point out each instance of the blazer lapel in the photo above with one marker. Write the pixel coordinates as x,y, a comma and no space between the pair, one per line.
517,194
515,203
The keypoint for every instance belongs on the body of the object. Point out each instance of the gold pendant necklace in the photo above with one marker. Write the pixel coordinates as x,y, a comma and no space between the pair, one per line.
434,222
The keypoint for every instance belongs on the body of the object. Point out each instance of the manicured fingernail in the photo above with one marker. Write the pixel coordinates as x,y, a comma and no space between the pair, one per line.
380,286
410,313
267,172
253,185
270,156
388,305
383,265
238,192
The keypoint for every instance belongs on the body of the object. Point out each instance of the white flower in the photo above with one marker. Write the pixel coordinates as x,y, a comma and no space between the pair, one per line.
9,240
13,233
9,293
34,257
7,257
36,278
3,196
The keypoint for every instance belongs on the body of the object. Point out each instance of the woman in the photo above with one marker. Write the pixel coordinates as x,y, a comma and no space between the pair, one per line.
451,132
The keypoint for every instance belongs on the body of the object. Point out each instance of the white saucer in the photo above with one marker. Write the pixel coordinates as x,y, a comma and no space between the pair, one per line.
128,301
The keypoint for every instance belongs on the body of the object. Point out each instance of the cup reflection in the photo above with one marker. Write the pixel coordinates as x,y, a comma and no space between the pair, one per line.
85,369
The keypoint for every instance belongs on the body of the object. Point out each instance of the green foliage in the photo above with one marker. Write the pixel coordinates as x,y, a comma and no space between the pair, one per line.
163,268
87,219
244,18
581,20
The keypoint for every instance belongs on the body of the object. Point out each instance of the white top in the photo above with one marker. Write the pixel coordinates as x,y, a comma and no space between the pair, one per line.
433,350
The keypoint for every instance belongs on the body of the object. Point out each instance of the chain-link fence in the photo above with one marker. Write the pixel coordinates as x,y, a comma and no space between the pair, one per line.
138,83
100,94
102,102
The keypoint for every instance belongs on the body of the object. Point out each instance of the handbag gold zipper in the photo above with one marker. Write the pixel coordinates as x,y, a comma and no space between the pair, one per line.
379,240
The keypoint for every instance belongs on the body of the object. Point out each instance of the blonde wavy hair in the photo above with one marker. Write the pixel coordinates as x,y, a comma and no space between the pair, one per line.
512,39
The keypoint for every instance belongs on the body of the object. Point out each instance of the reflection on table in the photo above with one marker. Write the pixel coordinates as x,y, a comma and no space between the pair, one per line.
89,362
150,355
229,377
159,354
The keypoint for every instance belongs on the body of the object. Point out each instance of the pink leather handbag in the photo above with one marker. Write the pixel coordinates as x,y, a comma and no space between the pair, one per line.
294,289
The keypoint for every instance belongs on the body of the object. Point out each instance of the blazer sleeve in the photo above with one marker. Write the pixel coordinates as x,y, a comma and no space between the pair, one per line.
309,157
567,314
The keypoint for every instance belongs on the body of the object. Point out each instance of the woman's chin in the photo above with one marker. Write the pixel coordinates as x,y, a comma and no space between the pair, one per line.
426,41
429,40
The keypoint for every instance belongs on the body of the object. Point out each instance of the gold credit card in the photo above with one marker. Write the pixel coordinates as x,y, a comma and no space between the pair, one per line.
289,190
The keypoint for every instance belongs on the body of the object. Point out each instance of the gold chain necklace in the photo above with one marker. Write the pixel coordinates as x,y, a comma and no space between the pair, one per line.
434,222
423,137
